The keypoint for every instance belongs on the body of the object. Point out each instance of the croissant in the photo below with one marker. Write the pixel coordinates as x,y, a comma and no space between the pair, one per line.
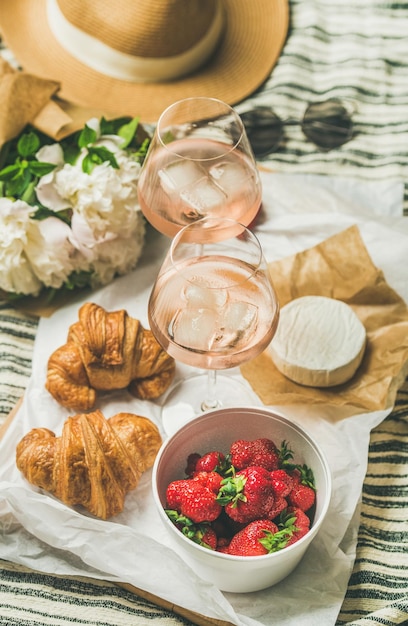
94,463
107,351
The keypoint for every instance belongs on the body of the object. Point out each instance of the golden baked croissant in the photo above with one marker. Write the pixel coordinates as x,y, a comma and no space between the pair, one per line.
107,351
94,463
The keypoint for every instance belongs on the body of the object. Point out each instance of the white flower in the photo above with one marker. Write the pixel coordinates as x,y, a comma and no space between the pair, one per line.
118,256
16,274
105,236
106,199
46,192
51,254
33,253
51,154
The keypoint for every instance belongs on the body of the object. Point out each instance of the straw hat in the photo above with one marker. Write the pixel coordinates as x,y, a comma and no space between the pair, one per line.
136,57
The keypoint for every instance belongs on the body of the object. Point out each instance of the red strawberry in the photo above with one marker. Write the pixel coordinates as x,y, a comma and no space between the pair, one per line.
301,519
282,482
279,505
223,547
251,540
302,496
209,462
301,524
248,495
208,538
173,493
211,480
193,500
261,452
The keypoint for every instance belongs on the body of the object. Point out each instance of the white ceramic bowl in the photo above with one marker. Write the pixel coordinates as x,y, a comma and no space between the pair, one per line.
216,430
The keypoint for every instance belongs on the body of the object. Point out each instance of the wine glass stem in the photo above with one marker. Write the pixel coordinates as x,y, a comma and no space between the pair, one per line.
210,401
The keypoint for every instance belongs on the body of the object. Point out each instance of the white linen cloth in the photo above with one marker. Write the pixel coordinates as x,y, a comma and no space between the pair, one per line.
41,533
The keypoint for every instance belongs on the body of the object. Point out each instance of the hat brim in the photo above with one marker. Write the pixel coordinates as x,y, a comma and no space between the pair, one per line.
254,37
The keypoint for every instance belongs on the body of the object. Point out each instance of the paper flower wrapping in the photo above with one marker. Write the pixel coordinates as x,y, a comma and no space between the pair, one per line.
69,211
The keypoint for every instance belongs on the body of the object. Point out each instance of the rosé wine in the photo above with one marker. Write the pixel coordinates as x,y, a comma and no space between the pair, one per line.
213,312
196,178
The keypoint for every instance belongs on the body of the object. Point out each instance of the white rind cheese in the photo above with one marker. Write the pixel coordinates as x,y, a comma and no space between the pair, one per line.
320,342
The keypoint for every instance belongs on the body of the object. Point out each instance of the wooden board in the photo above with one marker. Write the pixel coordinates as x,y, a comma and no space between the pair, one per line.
196,618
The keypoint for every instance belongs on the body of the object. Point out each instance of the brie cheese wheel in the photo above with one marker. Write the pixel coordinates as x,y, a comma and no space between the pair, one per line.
320,342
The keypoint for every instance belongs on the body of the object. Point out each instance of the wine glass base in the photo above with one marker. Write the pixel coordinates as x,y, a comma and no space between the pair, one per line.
184,401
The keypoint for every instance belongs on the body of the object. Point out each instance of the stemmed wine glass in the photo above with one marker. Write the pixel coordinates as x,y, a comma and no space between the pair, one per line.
212,306
199,163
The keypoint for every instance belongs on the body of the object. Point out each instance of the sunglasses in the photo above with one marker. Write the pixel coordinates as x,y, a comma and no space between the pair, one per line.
327,124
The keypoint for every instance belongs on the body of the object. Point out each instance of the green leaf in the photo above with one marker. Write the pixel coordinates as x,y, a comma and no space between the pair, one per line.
10,171
306,476
86,137
28,195
140,154
40,169
98,155
78,280
273,542
87,164
18,185
128,131
43,212
285,453
28,144
232,490
71,152
111,127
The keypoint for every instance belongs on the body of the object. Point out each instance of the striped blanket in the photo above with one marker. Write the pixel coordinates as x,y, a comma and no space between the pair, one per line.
356,50
352,50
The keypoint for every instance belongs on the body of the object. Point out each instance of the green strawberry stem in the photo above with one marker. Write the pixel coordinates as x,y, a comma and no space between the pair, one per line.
195,532
306,473
232,490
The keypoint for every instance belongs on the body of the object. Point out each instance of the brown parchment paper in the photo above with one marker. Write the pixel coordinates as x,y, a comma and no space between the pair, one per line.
340,267
29,99
22,97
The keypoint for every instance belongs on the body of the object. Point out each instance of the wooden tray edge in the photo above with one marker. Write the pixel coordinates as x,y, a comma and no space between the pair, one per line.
196,618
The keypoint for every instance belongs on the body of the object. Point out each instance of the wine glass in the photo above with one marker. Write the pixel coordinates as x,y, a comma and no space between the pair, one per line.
199,163
212,306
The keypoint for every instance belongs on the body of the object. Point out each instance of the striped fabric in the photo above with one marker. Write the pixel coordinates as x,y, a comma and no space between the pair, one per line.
378,589
357,50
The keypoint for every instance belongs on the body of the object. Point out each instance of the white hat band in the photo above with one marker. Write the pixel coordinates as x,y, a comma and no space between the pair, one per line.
111,62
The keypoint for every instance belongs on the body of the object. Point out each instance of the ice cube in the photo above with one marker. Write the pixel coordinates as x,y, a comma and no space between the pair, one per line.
179,174
239,320
195,328
202,197
229,176
201,296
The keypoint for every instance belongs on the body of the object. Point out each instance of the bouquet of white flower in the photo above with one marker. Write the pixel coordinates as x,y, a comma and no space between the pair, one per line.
69,212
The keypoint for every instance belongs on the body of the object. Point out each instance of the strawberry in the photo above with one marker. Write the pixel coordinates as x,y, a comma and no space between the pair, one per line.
254,539
279,505
302,496
301,524
211,480
248,495
301,519
173,493
208,538
282,482
261,452
193,500
210,462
